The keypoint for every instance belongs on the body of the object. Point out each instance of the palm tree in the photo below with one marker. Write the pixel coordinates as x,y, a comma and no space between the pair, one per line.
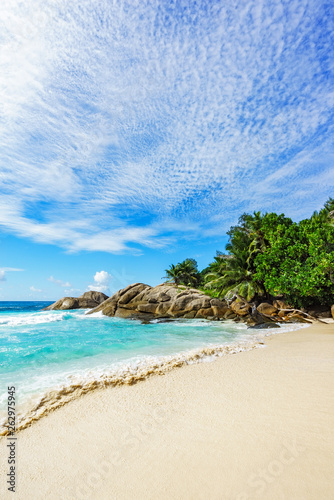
184,273
235,272
256,235
233,275
173,274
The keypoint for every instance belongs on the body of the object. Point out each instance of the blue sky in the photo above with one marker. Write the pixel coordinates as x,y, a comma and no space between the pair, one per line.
133,134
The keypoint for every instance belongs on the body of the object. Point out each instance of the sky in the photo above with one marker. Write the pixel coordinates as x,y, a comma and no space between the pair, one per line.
133,134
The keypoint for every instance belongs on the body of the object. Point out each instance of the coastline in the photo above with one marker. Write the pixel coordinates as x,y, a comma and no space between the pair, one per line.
42,404
255,425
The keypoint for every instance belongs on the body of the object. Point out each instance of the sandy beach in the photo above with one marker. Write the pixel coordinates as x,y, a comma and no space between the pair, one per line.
254,425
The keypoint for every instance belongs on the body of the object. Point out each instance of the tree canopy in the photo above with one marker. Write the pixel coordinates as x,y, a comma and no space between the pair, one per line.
269,255
184,273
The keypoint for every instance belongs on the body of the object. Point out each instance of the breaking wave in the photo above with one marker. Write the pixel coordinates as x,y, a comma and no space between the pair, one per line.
34,319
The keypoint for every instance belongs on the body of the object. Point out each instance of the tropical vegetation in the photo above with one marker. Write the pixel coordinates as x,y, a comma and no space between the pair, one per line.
184,273
269,255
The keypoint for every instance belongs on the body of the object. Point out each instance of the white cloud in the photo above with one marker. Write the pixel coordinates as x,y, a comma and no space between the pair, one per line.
10,269
3,271
115,112
101,282
59,282
33,289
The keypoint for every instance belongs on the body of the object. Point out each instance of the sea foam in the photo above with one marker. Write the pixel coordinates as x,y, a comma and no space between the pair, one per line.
33,319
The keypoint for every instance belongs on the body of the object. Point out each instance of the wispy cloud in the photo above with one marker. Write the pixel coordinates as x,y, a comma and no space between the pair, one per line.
15,269
3,271
64,284
118,117
37,290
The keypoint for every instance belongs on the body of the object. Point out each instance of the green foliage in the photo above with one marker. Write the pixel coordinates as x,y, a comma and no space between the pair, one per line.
235,272
299,262
184,273
269,255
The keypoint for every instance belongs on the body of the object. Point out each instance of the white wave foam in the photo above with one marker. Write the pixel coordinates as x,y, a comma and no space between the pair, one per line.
98,314
34,319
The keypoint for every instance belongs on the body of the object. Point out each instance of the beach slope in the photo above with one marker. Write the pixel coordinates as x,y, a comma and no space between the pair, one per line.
254,425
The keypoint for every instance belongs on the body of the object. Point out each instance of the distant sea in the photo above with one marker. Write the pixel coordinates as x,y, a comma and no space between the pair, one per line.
42,351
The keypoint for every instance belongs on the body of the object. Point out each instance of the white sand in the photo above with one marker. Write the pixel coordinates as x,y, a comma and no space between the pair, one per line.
254,425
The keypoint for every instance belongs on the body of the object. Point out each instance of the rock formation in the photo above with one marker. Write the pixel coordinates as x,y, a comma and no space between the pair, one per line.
85,301
267,309
144,302
140,301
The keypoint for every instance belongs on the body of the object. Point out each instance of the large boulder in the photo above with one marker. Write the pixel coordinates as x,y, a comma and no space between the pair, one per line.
264,326
219,307
256,318
267,309
240,308
140,301
281,304
64,303
87,300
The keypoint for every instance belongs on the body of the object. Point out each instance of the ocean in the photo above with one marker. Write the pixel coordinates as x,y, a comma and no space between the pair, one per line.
53,356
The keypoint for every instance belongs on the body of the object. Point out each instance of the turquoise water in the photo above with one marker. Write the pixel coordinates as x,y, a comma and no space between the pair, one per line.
41,350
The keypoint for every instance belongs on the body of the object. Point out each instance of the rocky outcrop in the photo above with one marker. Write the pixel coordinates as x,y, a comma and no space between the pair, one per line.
272,313
240,308
258,319
267,309
88,300
266,315
140,301
91,299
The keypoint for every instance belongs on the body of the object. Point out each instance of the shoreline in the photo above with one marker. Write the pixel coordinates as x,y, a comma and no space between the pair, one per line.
253,426
40,406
